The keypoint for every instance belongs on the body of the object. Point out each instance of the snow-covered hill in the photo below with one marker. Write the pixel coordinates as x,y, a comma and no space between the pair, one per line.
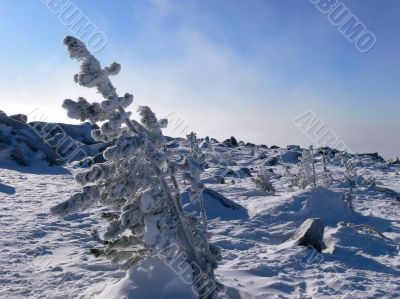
46,257
41,143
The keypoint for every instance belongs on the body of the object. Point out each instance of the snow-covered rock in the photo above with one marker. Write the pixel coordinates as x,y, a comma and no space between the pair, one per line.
20,117
216,205
310,233
40,142
290,156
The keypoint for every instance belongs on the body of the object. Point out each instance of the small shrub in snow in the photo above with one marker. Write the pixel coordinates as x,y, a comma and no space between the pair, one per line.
306,174
227,158
348,197
263,180
137,181
326,179
195,150
350,171
252,151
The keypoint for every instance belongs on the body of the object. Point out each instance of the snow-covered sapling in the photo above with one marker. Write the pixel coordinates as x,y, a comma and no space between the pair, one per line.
194,145
326,179
263,180
350,174
306,174
137,181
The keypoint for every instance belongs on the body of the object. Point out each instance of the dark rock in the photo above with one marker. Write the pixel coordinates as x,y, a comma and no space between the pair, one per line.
250,144
310,233
262,156
291,157
18,156
220,179
205,144
231,142
395,161
274,147
99,159
227,172
272,162
374,156
244,172
234,141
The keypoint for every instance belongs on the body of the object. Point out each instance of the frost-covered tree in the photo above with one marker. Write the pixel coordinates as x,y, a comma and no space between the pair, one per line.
306,174
251,151
194,145
263,180
138,181
350,171
326,176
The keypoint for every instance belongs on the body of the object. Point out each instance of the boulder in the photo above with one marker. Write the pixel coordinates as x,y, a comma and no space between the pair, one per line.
395,161
262,156
20,117
234,141
205,144
244,172
272,162
291,156
216,206
220,179
99,158
293,147
231,142
310,233
213,140
374,156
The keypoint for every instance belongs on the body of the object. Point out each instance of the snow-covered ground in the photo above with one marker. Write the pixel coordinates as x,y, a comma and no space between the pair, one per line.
47,257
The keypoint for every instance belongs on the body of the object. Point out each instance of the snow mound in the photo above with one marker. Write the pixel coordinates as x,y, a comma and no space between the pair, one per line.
362,239
152,278
323,203
216,205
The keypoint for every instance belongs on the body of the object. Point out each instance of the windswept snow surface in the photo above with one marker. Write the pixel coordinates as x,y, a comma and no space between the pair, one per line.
46,257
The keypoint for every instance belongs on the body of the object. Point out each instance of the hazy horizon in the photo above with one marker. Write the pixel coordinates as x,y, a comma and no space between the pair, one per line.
218,68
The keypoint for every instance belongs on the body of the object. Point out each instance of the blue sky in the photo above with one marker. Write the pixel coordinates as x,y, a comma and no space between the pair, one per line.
221,68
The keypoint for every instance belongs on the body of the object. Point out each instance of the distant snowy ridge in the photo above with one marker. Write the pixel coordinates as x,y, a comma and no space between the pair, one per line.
36,142
44,143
